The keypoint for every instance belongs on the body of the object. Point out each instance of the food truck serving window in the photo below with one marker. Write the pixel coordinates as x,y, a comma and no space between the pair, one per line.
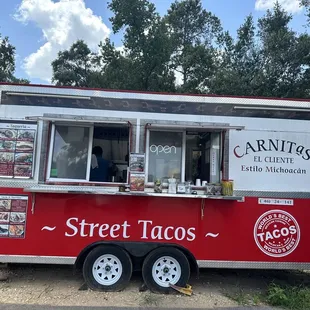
70,152
186,155
165,155
17,149
95,153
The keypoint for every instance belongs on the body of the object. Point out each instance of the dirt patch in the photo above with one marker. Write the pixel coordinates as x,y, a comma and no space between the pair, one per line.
61,286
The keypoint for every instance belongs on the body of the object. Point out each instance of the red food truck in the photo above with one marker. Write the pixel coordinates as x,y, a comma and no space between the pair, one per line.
116,181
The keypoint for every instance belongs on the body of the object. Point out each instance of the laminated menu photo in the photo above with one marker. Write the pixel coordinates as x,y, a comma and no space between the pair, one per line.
137,181
17,146
136,163
13,213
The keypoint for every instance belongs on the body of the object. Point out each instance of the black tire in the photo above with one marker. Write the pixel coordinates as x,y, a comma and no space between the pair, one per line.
151,259
124,276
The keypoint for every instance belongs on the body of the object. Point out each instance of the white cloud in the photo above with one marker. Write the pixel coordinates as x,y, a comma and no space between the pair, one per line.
62,23
291,6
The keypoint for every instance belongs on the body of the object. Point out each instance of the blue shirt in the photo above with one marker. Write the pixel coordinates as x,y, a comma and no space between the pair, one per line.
101,173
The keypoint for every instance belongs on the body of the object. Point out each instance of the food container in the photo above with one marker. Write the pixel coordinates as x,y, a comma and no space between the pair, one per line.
217,189
122,188
228,187
181,188
188,187
210,189
158,187
172,187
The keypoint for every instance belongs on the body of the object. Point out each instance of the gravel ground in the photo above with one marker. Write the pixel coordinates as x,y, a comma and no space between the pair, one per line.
60,286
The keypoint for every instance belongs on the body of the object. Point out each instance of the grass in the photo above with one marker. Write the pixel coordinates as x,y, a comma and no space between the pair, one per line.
244,298
287,297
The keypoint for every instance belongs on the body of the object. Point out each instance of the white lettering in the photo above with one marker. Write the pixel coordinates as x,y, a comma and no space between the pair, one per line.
125,226
91,229
156,232
268,235
102,228
191,233
75,230
183,233
293,230
261,236
276,233
114,228
166,237
85,229
285,231
82,224
157,149
144,229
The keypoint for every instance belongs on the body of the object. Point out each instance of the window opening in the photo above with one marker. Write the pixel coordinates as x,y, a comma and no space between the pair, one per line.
165,155
97,153
186,155
110,154
202,159
70,152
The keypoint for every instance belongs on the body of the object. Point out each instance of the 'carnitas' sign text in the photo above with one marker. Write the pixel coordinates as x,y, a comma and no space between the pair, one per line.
262,160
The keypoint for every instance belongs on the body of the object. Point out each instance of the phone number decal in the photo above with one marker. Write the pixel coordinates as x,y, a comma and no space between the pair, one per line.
271,201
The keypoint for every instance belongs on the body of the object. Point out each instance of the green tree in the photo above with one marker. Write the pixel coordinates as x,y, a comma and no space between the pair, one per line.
285,56
239,66
194,34
267,60
74,67
146,43
272,61
7,62
115,70
306,4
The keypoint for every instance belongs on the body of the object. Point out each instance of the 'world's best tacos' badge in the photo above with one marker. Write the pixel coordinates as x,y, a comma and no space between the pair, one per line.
277,233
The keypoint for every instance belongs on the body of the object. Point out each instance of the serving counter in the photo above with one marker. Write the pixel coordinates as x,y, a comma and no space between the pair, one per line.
95,190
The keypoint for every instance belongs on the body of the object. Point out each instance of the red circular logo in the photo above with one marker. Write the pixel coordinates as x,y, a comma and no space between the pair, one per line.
277,233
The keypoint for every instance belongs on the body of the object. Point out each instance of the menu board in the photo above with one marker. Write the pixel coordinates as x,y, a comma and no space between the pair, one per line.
136,162
13,211
137,181
17,149
136,168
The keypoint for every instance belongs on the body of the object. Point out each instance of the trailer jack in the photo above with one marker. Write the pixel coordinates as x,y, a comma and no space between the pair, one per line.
184,290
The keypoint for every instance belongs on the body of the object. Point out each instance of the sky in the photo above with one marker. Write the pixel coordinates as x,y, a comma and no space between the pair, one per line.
39,29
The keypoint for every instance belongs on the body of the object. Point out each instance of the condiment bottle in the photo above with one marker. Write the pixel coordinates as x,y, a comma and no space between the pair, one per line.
172,188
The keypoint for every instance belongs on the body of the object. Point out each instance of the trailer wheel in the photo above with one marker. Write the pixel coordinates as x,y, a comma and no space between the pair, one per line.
164,266
107,268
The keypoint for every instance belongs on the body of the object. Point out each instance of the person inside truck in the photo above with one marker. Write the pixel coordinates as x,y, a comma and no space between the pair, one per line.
99,171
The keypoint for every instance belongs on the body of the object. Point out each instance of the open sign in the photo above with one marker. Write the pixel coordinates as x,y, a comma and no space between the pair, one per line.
166,149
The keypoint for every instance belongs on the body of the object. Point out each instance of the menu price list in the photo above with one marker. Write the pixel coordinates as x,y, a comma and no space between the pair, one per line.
13,211
137,162
16,151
